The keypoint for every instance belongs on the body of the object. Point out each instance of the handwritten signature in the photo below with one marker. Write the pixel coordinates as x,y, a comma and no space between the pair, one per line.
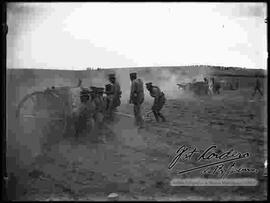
187,153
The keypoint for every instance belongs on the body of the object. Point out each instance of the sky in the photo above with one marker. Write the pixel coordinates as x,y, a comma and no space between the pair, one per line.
117,35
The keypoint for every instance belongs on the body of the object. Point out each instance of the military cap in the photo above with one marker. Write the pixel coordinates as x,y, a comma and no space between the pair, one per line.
133,74
84,92
93,88
112,75
100,89
92,93
148,84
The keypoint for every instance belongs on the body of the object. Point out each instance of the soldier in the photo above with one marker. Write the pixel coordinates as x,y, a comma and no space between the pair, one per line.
115,91
108,93
100,106
109,101
159,100
83,117
257,87
137,97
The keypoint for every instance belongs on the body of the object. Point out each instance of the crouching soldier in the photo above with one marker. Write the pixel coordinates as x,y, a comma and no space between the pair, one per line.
83,117
159,100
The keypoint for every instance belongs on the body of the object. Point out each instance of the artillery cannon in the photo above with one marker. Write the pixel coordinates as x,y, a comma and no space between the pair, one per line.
198,88
50,111
202,87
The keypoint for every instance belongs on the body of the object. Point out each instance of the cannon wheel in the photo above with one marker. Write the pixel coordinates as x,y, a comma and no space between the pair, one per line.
29,112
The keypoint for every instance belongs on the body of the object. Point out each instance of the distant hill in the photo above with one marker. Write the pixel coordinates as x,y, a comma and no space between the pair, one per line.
23,81
200,69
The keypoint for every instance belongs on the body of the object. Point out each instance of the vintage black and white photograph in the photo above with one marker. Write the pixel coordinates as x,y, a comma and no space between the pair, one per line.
130,101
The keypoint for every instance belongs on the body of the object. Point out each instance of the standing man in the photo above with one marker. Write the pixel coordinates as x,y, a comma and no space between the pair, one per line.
109,101
159,100
100,106
113,92
83,115
116,91
257,87
136,97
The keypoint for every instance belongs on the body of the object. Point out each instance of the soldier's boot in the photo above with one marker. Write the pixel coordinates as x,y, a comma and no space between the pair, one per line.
156,116
162,117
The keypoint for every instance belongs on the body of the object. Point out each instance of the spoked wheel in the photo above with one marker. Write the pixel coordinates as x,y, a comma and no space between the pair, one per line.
42,115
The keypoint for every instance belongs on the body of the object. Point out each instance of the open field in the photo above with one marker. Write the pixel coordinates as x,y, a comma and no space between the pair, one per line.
134,162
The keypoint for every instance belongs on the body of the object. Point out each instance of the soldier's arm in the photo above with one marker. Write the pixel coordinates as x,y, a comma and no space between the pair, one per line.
111,91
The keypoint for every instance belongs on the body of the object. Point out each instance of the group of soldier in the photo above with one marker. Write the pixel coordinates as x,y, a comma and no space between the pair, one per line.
100,104
97,104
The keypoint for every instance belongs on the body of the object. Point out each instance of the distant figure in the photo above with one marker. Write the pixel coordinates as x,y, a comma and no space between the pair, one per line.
211,86
137,98
237,84
79,83
257,87
159,100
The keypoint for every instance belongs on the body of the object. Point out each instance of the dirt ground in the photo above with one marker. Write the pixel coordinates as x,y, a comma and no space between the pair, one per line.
134,162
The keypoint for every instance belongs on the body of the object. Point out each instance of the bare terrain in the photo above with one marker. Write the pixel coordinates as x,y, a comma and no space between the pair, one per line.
134,162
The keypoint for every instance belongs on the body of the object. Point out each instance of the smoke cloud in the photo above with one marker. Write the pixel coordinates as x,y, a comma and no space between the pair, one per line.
25,143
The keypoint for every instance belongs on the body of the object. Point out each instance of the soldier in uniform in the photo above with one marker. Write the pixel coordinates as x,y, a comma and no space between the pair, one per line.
113,92
83,117
109,101
108,94
159,100
116,91
100,106
137,97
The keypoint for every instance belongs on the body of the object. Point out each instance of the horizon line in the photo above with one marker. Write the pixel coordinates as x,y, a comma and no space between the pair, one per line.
161,66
